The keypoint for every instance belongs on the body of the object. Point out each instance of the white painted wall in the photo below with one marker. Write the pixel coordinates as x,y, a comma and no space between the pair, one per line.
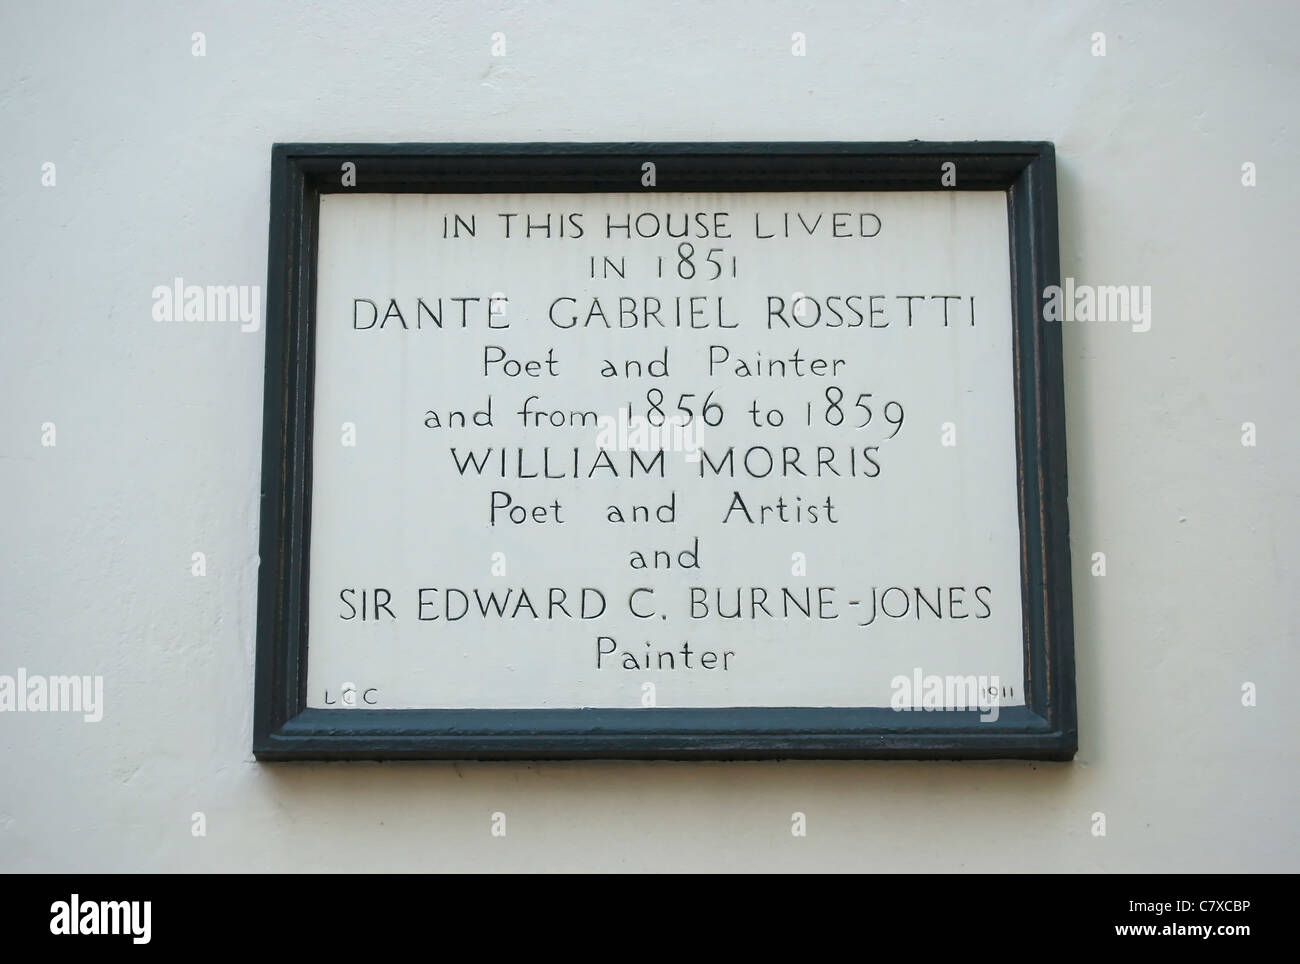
162,171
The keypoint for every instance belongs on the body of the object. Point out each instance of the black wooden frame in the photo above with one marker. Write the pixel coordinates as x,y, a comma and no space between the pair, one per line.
284,728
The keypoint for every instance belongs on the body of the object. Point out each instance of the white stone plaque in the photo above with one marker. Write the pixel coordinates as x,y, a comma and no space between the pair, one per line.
664,450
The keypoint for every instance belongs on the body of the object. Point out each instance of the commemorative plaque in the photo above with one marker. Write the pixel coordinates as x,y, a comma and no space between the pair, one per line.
663,450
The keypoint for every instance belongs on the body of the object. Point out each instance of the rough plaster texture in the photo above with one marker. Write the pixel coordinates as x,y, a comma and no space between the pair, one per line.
162,171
